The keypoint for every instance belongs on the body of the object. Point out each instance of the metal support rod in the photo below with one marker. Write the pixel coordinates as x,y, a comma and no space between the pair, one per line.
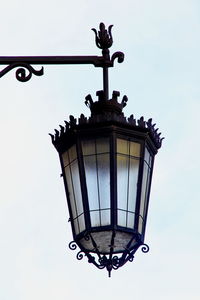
52,60
105,83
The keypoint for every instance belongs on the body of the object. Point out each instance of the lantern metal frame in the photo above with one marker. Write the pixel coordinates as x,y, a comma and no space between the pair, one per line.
107,122
107,119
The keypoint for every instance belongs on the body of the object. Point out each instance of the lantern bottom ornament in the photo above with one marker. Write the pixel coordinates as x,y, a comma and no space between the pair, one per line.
110,261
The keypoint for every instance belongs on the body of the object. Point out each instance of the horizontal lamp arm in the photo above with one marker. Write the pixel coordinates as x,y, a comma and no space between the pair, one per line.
103,39
97,61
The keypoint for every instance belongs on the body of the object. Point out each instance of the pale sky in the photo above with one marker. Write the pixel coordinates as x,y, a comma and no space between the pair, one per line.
160,76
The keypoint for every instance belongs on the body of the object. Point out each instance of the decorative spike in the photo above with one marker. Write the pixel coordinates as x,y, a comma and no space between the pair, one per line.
149,123
88,100
153,127
156,130
66,125
57,133
82,119
141,122
124,101
132,120
62,129
52,137
161,140
115,95
72,121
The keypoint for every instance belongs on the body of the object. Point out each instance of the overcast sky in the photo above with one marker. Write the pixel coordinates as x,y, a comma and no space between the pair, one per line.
160,76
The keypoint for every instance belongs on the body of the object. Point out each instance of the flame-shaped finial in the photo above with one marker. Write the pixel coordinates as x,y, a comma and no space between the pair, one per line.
103,38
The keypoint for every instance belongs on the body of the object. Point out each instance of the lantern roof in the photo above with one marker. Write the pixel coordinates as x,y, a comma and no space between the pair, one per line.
107,112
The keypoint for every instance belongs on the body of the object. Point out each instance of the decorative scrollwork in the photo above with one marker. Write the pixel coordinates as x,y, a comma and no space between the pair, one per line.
103,261
115,262
72,245
108,261
21,72
80,255
145,248
119,55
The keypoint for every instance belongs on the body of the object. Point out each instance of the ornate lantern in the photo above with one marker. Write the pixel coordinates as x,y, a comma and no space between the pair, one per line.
107,164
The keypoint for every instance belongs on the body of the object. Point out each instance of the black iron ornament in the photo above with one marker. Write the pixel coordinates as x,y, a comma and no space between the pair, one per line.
106,161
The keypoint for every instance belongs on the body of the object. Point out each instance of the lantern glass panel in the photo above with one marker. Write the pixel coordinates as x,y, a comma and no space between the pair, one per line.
128,156
145,188
96,157
71,170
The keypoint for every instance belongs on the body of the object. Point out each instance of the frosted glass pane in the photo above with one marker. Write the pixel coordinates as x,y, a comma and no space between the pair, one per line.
91,181
147,192
134,149
72,153
133,180
76,227
122,146
77,187
122,180
150,161
88,147
65,158
130,220
74,188
105,217
81,221
140,226
102,145
103,163
70,191
122,216
148,157
95,218
143,193
103,241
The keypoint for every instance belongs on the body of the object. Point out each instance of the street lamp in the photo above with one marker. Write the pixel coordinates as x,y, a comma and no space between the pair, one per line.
107,164
106,161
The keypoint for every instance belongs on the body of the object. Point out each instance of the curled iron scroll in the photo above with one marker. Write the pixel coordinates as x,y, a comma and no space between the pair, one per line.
145,248
80,255
21,71
119,55
72,245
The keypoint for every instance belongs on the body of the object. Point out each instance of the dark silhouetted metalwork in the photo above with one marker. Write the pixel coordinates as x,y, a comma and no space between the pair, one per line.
89,149
103,41
103,148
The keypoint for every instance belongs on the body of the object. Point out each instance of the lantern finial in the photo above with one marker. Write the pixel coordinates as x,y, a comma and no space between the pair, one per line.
103,38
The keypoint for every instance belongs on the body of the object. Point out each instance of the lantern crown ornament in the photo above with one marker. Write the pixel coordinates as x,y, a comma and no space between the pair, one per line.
107,164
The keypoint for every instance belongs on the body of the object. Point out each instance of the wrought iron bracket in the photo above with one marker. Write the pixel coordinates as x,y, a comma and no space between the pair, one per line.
104,41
